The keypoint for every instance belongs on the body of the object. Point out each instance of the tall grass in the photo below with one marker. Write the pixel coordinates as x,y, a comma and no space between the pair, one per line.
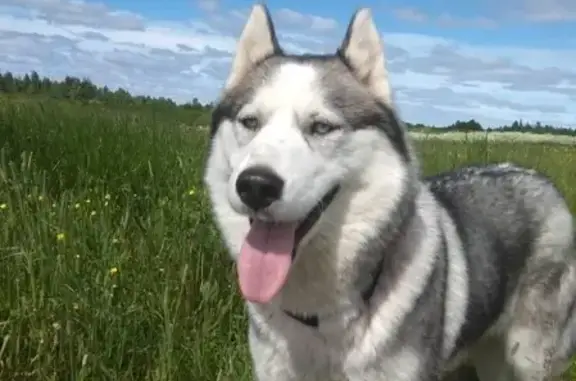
111,268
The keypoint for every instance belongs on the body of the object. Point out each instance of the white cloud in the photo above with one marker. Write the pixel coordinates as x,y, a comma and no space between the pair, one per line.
209,5
296,19
77,12
548,10
445,19
498,13
410,14
436,80
449,20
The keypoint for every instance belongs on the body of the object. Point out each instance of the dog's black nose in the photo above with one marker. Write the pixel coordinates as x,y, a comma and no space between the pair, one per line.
258,187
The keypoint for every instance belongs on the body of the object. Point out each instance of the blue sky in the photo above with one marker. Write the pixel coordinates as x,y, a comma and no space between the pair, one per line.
492,60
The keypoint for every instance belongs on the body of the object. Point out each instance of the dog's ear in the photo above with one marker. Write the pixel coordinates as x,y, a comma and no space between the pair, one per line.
257,42
362,50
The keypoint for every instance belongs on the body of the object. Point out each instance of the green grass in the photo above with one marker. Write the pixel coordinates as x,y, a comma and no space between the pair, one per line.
111,266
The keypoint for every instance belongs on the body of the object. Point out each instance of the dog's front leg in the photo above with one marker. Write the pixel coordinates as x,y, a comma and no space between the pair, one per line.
271,359
378,374
294,359
404,365
268,361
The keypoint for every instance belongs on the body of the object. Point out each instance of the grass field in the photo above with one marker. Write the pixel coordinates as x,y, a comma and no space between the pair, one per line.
111,266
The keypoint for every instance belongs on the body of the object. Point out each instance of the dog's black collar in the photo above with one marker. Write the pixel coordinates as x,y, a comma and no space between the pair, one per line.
313,321
310,321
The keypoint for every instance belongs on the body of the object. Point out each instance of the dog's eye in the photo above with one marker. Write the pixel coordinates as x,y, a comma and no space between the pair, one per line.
250,123
322,128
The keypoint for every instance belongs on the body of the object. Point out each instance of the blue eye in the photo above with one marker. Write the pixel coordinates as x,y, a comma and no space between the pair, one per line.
250,123
322,128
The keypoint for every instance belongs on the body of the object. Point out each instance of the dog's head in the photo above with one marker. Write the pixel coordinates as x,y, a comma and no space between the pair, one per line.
289,134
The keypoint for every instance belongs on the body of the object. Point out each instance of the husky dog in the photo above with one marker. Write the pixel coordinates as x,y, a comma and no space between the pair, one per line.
353,266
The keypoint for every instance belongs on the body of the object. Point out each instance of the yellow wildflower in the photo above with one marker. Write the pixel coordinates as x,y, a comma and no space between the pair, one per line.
113,271
3,206
40,198
192,192
93,213
107,196
88,201
77,205
60,237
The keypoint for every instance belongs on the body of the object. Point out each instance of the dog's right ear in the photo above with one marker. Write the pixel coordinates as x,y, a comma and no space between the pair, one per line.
257,42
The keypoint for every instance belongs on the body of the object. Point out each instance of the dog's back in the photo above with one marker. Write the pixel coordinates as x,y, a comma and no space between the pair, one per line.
518,238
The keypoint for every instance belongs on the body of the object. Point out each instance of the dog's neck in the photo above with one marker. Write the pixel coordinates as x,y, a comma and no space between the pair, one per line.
333,267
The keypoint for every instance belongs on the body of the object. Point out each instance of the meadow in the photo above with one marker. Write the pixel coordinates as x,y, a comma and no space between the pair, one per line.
111,267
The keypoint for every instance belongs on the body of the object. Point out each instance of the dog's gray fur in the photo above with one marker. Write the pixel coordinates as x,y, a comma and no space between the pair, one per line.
476,266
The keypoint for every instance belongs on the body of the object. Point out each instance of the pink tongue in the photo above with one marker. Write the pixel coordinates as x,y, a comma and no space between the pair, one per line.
265,260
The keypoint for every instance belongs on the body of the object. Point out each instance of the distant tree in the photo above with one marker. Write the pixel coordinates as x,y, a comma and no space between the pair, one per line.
9,83
87,90
468,126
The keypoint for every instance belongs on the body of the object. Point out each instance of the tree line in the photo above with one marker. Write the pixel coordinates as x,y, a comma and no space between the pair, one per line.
84,90
516,126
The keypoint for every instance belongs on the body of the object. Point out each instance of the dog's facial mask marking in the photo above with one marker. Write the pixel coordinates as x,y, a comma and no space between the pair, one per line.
291,129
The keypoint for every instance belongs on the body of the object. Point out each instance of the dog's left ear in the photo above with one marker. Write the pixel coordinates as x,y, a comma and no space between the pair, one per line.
362,49
257,42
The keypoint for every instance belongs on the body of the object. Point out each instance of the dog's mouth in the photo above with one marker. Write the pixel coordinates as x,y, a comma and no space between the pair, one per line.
269,249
